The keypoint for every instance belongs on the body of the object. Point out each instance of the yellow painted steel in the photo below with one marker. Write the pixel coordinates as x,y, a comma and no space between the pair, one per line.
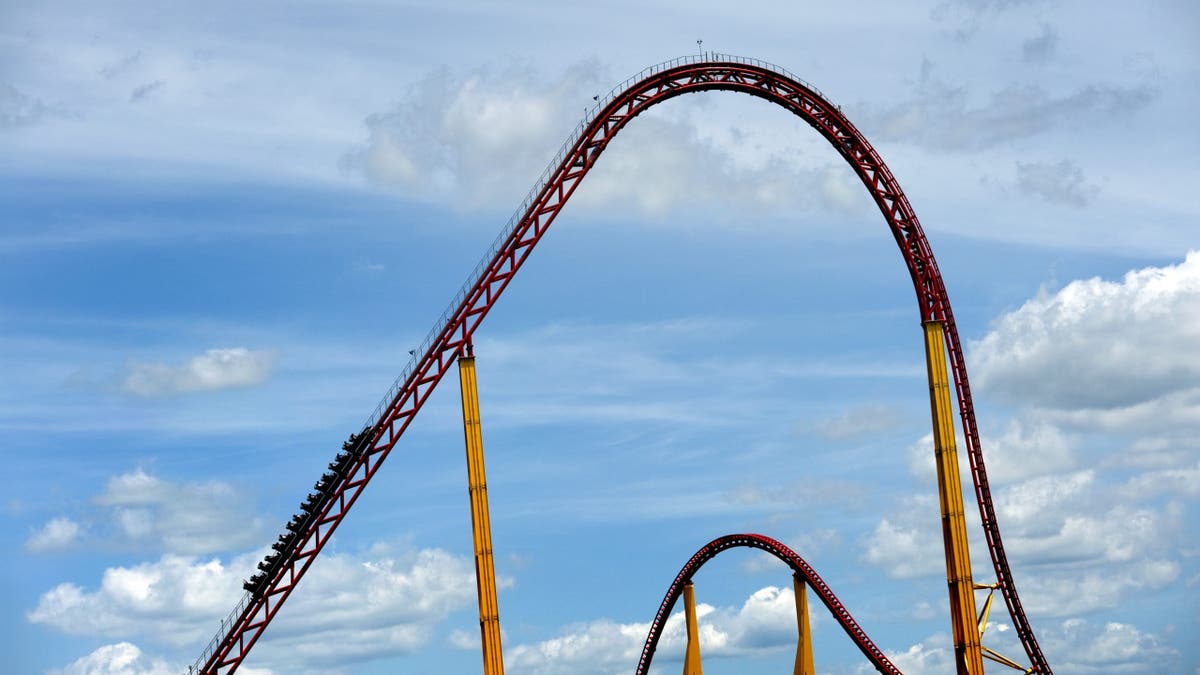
967,648
987,606
984,613
804,652
481,527
1004,660
691,658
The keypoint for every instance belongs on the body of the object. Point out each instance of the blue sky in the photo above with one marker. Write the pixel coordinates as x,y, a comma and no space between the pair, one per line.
223,227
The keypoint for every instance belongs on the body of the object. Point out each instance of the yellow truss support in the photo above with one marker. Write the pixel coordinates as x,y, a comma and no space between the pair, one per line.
804,652
691,658
481,526
967,649
990,654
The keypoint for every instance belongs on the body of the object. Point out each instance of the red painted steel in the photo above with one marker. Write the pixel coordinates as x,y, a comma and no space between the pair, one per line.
446,344
710,550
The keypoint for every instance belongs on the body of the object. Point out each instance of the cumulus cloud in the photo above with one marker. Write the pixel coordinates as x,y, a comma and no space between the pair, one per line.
935,654
764,623
1027,448
1079,551
946,117
1097,344
449,134
172,600
1059,182
908,544
1081,646
483,137
214,369
121,658
350,606
1072,646
56,535
185,518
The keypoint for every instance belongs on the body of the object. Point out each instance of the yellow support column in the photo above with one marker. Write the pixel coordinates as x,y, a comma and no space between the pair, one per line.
691,658
804,653
481,527
967,651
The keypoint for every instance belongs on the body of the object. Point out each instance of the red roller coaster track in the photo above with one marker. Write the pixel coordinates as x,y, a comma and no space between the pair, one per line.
449,338
793,560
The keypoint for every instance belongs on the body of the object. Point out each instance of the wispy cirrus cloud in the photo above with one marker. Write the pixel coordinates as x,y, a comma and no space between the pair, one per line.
18,109
1061,182
947,117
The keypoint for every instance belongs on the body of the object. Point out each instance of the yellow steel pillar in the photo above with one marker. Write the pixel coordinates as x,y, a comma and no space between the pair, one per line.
967,651
804,652
481,527
691,658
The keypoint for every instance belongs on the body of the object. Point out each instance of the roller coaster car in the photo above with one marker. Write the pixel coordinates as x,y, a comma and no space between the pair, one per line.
313,500
356,440
295,523
327,481
254,585
341,464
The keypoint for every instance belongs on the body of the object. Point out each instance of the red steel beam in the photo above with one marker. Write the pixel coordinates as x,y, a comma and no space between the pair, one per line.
793,560
660,83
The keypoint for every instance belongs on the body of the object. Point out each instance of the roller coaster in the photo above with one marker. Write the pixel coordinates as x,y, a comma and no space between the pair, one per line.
450,342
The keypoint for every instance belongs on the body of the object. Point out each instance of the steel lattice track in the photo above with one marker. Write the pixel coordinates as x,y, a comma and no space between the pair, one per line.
800,566
450,335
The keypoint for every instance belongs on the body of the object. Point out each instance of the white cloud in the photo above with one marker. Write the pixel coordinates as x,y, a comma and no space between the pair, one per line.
349,606
121,658
906,551
1183,482
1122,534
1080,646
1100,345
214,369
765,623
446,140
1026,449
184,518
1032,503
172,600
933,655
57,534
1074,647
